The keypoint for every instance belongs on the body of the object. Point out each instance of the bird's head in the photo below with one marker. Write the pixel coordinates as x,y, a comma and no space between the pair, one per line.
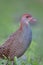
27,18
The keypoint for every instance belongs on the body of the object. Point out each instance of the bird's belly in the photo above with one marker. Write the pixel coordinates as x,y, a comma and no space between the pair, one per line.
20,45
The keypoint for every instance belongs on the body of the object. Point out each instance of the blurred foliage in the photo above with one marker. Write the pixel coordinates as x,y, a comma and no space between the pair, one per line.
10,13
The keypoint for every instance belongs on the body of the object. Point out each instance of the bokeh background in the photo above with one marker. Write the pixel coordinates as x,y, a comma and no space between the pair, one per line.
10,14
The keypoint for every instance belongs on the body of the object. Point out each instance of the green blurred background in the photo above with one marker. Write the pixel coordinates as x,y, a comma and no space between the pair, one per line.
10,13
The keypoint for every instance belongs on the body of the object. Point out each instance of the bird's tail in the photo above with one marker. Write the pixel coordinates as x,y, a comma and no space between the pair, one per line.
4,52
1,51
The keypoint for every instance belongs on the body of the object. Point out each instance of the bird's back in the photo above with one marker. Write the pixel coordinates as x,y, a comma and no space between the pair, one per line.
17,43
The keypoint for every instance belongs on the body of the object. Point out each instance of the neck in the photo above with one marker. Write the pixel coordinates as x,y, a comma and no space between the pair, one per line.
25,30
26,34
23,26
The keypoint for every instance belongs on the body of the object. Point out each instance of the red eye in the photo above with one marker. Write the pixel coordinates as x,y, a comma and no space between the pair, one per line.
27,16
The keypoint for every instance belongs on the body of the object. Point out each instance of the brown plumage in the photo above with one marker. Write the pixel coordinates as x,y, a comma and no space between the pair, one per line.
19,41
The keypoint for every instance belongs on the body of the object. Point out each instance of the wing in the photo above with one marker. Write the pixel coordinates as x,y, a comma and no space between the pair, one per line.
12,38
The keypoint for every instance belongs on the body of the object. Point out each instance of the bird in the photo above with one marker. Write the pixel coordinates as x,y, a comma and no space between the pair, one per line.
18,42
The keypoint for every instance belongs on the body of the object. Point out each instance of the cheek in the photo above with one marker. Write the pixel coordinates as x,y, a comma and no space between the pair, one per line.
30,19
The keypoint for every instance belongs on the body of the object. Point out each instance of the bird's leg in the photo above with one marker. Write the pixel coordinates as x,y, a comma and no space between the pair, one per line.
15,62
12,63
9,62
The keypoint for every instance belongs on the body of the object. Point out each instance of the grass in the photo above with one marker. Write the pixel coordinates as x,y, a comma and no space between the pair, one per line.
10,13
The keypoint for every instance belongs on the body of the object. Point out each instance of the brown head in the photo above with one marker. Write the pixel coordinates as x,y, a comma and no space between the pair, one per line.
26,19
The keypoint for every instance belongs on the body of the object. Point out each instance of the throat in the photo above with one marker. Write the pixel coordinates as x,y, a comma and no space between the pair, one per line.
21,27
25,31
25,35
